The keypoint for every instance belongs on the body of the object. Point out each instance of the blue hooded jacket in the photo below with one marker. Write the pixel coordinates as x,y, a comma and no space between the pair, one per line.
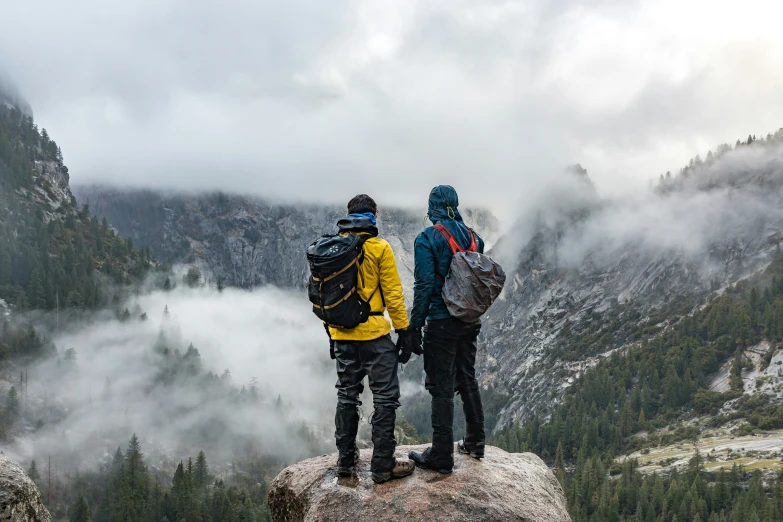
433,255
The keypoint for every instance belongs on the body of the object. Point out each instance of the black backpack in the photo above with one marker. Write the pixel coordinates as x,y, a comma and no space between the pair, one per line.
333,287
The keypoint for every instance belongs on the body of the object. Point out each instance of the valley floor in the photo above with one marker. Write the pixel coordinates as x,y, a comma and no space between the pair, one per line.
723,450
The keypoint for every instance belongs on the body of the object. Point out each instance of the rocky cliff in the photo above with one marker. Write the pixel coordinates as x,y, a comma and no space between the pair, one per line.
503,487
20,500
592,276
247,241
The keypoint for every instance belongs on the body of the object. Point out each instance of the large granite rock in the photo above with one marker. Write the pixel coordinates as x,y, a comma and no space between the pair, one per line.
20,500
502,487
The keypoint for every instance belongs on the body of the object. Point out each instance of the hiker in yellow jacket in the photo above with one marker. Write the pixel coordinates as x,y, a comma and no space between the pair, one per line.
367,350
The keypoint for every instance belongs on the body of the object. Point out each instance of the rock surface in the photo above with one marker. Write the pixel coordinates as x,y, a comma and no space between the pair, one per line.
502,487
20,500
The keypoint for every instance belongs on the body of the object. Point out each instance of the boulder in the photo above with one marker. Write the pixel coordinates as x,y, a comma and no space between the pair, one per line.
501,487
20,500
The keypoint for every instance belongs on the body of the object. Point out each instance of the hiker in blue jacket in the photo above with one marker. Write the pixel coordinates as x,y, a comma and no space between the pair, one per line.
449,343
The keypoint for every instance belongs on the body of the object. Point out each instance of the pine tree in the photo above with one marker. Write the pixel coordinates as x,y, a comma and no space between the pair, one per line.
179,489
559,460
136,478
79,511
642,422
735,378
201,473
35,290
192,359
32,471
193,277
12,404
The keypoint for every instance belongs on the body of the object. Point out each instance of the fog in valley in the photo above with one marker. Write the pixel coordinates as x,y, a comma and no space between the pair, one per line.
234,373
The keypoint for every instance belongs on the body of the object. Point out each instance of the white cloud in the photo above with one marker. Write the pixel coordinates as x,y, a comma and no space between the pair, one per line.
312,100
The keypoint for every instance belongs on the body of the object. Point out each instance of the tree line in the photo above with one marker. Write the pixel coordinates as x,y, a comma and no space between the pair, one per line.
655,383
128,489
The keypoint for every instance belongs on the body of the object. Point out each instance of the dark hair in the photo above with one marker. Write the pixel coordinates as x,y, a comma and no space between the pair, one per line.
361,204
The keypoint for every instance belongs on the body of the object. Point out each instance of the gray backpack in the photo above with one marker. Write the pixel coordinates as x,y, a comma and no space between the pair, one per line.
474,280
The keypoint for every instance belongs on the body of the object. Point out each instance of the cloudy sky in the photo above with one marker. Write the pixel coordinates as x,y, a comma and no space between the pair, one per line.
317,100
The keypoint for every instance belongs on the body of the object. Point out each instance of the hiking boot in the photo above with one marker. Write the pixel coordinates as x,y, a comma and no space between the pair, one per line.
473,443
402,468
347,471
467,449
425,459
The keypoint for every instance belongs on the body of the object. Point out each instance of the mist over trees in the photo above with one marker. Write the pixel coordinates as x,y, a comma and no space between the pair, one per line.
126,487
145,376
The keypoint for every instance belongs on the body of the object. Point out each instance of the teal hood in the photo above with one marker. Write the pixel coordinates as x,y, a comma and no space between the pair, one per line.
443,204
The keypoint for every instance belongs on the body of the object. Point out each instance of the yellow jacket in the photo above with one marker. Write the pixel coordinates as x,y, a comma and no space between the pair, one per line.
378,268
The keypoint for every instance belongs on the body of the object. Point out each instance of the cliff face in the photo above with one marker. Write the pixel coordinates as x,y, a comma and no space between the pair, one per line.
597,276
502,487
243,241
20,500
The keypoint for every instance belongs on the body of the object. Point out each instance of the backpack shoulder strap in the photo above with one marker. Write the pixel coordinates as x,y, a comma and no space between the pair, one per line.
449,238
364,238
453,242
473,246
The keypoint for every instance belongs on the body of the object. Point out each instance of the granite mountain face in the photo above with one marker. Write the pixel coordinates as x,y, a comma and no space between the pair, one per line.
245,241
571,299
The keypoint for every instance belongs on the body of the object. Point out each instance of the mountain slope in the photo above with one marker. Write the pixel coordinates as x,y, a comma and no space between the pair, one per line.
598,275
51,252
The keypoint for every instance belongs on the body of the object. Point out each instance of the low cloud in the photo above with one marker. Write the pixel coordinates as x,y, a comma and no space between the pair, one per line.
137,376
729,201
306,100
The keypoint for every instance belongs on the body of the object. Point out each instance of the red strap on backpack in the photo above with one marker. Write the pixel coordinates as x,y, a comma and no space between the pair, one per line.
453,242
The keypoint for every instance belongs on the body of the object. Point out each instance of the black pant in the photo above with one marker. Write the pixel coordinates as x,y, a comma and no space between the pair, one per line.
450,364
377,359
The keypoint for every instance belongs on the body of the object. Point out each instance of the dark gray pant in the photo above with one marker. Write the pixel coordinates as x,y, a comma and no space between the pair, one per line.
450,364
376,359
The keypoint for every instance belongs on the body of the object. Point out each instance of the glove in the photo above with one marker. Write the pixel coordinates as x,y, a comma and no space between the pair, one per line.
331,342
407,343
403,346
415,339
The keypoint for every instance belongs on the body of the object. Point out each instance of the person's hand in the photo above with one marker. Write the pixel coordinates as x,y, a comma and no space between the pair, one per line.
331,342
408,342
415,340
403,348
